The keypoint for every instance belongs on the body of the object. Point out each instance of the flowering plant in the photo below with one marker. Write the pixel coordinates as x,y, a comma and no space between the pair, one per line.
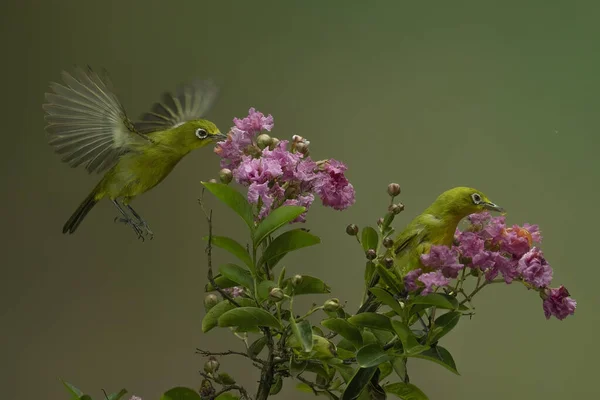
362,355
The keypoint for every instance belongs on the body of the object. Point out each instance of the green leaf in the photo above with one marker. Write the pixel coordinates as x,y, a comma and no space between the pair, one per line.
371,355
345,329
405,391
385,370
386,298
382,336
409,340
86,397
117,396
308,285
225,379
303,333
359,381
277,385
444,324
388,278
234,199
75,393
211,318
264,288
346,371
370,238
437,300
248,318
257,346
226,396
286,242
237,274
234,248
441,356
399,365
181,393
222,283
371,320
297,366
369,337
369,271
275,220
303,387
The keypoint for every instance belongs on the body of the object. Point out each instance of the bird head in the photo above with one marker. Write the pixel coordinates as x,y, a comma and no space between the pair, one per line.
198,133
463,201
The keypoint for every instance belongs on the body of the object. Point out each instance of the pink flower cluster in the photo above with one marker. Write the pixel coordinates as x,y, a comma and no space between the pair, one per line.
491,247
276,176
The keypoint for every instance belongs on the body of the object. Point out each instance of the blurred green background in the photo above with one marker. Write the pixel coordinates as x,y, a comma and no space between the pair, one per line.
502,96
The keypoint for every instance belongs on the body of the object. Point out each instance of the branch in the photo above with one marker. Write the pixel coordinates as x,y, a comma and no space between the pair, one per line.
314,388
206,353
211,278
226,388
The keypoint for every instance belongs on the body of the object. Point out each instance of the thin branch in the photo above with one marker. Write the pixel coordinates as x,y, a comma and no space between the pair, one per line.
206,353
209,274
314,388
225,388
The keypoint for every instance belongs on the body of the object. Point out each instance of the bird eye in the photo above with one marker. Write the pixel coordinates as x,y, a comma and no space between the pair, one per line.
476,198
201,133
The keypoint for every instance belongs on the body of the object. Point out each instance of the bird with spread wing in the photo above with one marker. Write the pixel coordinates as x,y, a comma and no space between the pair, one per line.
87,124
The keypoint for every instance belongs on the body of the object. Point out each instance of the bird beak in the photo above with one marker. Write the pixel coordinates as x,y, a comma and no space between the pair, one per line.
493,207
220,136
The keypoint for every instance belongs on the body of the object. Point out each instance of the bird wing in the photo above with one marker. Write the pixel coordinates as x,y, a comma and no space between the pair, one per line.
190,101
87,123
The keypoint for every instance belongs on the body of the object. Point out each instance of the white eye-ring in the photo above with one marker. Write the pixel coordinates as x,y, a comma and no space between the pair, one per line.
201,133
476,198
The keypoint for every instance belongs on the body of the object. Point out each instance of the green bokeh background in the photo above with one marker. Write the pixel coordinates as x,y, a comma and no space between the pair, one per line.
502,96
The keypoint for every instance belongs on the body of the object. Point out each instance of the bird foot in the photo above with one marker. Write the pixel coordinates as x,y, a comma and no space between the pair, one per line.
141,228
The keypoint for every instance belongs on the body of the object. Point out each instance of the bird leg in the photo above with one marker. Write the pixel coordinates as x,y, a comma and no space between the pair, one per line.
142,222
126,219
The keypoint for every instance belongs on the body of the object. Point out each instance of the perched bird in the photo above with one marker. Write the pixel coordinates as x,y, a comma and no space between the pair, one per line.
87,124
434,226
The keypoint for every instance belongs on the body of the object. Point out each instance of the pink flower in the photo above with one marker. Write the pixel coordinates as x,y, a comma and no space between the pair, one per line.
332,186
254,122
410,279
444,259
479,219
433,280
501,264
516,241
257,170
558,303
534,269
304,200
235,291
233,148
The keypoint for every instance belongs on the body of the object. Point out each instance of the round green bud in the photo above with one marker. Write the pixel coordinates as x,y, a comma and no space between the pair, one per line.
225,175
296,280
352,230
276,294
396,208
210,301
388,242
211,365
388,262
263,140
274,143
331,305
371,254
393,189
380,222
302,148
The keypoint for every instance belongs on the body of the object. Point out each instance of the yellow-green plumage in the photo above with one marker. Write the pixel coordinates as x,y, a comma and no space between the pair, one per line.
434,226
88,125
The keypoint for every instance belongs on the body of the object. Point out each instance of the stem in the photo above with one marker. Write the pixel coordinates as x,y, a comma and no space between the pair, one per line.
226,388
310,312
267,376
209,274
228,353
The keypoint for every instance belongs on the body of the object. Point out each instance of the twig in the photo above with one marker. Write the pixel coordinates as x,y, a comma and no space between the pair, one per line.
225,388
209,274
314,388
206,353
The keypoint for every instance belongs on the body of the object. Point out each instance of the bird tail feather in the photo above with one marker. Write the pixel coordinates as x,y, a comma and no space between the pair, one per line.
79,214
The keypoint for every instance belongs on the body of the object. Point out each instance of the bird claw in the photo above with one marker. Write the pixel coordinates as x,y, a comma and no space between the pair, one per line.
141,228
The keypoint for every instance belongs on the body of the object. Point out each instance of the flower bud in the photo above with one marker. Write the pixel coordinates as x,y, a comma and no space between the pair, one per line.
388,262
296,280
393,189
211,365
331,305
371,254
380,222
388,242
225,175
263,140
210,301
276,294
274,143
206,389
352,230
302,148
291,192
396,208
212,181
